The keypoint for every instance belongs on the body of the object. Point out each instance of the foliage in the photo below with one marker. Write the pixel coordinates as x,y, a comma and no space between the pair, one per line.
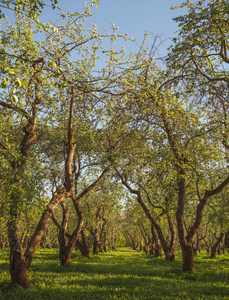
163,132
31,8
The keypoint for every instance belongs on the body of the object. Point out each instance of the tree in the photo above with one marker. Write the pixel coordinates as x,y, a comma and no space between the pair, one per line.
36,76
199,57
31,8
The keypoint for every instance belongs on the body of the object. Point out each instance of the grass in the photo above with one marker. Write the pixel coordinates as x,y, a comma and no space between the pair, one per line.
121,274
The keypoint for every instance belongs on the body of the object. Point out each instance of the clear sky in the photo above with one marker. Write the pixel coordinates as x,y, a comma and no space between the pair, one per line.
131,16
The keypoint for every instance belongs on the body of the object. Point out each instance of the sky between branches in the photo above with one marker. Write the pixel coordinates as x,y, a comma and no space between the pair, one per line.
131,16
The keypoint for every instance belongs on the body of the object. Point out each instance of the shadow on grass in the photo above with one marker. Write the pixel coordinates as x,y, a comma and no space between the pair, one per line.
122,274
119,287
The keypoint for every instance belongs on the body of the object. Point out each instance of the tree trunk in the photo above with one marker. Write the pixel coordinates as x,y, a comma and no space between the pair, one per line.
19,264
170,257
157,248
158,251
83,245
3,241
141,242
18,267
65,258
66,248
188,258
186,246
105,241
114,242
97,246
219,250
215,247
227,239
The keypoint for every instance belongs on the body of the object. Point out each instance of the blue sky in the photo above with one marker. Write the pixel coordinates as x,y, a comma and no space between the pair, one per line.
131,16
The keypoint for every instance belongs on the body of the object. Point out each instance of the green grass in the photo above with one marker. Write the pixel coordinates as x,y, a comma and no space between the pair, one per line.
121,274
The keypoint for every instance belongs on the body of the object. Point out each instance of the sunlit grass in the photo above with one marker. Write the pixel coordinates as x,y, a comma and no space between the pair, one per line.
120,274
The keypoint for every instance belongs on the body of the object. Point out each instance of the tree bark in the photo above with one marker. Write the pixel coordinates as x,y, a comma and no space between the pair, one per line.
186,245
3,241
83,245
216,245
105,241
66,247
157,248
227,239
188,258
141,242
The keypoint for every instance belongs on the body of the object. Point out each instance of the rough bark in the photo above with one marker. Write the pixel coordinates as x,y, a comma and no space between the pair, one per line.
188,258
18,266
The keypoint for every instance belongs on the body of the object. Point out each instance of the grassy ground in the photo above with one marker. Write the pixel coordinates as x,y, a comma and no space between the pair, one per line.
121,274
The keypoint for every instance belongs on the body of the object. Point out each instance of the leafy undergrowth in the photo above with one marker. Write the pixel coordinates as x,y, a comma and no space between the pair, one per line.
121,274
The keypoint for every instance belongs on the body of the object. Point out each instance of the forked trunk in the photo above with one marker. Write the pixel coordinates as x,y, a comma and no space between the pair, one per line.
65,247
